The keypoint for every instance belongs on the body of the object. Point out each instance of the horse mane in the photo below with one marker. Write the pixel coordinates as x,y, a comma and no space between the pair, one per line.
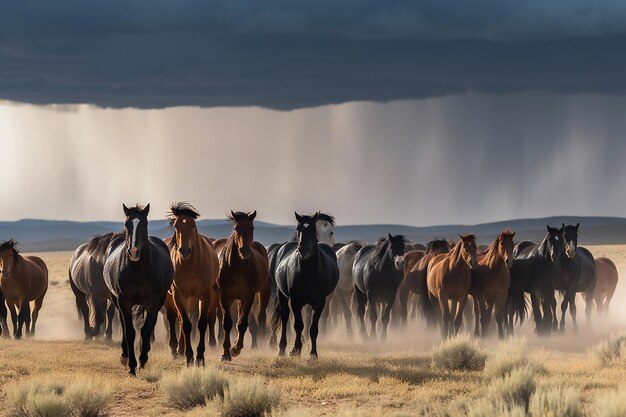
493,247
182,208
358,244
437,243
326,217
11,244
237,216
99,243
136,209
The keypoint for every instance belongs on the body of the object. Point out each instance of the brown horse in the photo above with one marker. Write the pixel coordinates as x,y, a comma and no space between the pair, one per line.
606,281
449,278
416,268
244,272
22,279
195,272
490,284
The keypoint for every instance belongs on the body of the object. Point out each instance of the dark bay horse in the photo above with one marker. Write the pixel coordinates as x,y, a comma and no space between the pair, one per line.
306,272
606,282
378,271
578,275
536,271
416,269
449,278
138,272
243,274
87,283
22,279
195,273
490,284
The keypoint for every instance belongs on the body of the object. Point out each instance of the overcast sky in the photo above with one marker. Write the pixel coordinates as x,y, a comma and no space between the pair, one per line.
375,111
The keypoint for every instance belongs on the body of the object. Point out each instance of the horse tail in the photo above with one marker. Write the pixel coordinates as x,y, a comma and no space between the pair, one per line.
274,317
80,297
518,305
138,316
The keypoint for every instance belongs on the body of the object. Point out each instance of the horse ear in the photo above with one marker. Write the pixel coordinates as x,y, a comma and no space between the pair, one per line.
232,215
298,217
389,236
125,209
513,235
146,209
562,228
549,228
252,215
562,225
577,226
316,216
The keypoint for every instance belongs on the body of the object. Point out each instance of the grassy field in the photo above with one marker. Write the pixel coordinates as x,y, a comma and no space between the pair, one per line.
350,377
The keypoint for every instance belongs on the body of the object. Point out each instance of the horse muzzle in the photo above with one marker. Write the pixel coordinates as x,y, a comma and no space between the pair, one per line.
244,253
185,253
398,261
134,254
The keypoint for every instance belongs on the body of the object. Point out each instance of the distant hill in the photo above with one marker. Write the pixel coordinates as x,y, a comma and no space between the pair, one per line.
48,235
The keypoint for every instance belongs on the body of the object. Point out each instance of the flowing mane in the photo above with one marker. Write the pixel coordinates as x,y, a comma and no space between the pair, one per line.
438,244
381,248
99,243
11,244
182,208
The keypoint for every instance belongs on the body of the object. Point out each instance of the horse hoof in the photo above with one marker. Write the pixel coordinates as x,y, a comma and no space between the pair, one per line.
132,372
235,351
281,352
226,358
313,357
200,362
124,360
295,353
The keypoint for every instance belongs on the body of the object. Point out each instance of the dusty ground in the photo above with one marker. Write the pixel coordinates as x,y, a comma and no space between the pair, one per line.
394,376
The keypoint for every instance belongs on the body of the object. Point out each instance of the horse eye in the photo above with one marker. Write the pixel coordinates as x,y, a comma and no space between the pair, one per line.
332,233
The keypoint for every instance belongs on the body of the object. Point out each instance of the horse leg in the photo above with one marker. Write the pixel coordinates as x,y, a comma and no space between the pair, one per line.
546,305
403,300
108,334
298,326
147,330
212,316
264,300
534,301
572,310
566,300
126,313
99,309
24,308
4,327
446,317
588,307
172,318
361,302
181,305
371,309
500,317
203,321
283,305
385,319
227,324
476,316
307,315
35,314
458,321
313,330
347,314
486,312
83,308
253,326
325,316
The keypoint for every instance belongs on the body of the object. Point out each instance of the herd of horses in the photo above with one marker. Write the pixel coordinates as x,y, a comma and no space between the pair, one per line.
196,281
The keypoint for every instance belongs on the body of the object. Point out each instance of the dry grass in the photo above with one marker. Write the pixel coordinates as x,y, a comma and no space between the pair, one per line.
193,387
250,397
349,379
459,354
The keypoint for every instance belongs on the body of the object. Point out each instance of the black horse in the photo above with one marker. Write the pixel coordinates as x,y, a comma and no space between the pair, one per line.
4,328
578,275
306,273
378,271
138,272
87,283
536,271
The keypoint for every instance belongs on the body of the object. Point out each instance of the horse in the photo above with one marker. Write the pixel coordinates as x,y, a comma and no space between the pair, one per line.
416,268
138,272
22,279
490,284
536,270
306,273
448,279
4,328
578,275
243,273
87,283
606,281
377,272
341,295
195,272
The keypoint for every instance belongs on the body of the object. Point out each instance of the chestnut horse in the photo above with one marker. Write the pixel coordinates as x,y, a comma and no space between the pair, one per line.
490,284
243,273
195,272
606,281
22,279
415,270
449,278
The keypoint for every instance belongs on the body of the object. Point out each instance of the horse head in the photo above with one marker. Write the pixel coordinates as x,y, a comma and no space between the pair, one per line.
554,243
468,249
307,234
8,257
243,232
183,219
136,230
325,227
396,249
506,246
570,239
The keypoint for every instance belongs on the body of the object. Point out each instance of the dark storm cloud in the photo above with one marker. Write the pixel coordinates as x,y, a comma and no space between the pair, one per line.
286,54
